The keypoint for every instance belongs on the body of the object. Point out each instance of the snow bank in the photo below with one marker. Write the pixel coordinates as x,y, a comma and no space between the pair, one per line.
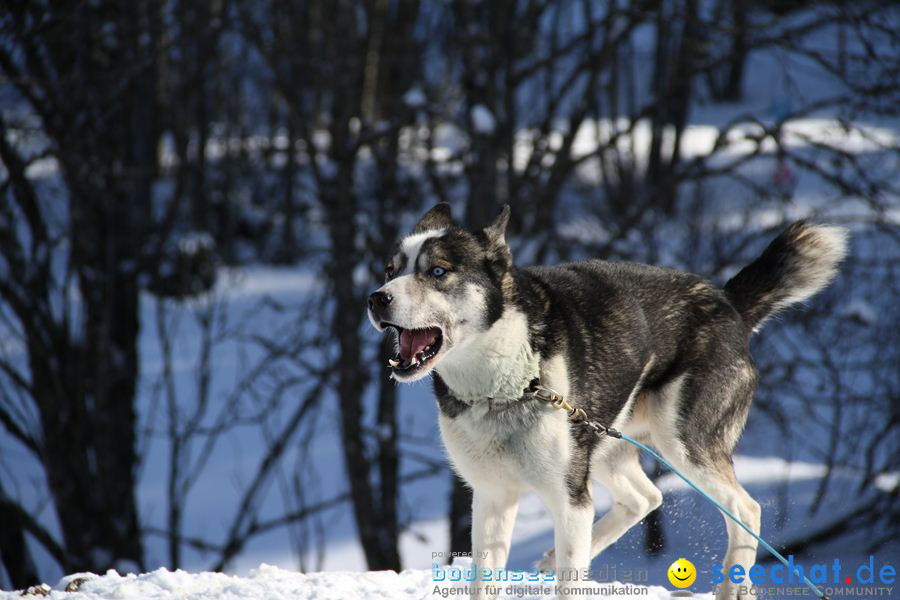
272,583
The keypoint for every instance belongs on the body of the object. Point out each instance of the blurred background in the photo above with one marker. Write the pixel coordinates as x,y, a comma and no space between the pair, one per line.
196,196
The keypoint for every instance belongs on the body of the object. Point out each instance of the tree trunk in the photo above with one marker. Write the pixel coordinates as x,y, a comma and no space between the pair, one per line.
380,551
15,556
460,517
101,117
737,57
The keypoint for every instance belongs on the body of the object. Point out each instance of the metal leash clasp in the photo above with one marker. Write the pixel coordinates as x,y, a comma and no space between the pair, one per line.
557,401
547,395
576,414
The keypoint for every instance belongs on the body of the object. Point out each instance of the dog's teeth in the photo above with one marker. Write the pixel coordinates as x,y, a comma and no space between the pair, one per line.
420,357
393,362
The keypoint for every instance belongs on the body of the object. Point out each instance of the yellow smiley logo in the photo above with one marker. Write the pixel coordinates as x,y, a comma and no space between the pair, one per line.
682,573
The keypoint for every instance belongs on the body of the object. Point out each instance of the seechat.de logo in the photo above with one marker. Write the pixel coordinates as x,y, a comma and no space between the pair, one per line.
866,574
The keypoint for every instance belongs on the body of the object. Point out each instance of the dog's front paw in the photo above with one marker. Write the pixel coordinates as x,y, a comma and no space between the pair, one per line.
548,561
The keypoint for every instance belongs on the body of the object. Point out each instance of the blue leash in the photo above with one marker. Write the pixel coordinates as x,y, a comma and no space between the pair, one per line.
668,465
578,415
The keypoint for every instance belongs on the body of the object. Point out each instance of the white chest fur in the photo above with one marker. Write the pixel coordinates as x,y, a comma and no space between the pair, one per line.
499,449
497,364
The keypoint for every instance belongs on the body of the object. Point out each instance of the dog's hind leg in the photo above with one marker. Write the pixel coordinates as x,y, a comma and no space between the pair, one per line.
718,480
695,427
634,497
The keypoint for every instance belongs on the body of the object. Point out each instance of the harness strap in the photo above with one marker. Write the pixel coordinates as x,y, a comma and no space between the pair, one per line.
577,415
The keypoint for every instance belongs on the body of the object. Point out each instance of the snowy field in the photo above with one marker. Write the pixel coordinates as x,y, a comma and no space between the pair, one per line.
272,583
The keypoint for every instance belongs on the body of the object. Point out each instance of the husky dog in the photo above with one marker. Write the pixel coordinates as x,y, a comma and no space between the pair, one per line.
660,355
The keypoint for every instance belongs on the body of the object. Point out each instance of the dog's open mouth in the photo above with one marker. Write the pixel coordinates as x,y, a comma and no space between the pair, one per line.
415,347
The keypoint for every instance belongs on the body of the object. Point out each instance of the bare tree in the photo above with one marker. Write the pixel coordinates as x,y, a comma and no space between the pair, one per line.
356,58
85,75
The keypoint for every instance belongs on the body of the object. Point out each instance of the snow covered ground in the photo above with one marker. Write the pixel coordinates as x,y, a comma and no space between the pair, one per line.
272,583
693,529
266,582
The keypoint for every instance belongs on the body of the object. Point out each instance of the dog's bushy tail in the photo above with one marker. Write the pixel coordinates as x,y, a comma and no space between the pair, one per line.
797,264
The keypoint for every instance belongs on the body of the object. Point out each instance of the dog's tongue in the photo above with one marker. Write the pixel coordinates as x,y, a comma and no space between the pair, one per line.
413,341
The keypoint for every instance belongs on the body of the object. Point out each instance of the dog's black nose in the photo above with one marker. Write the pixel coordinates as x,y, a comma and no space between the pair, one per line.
379,300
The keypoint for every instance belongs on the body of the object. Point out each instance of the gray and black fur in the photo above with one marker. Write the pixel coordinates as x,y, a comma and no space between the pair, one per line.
659,354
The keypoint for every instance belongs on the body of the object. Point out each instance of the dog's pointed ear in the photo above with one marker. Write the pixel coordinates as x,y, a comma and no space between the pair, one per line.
439,217
496,231
495,238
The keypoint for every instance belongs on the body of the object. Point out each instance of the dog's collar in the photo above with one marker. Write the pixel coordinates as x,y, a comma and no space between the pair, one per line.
501,401
500,382
528,394
536,391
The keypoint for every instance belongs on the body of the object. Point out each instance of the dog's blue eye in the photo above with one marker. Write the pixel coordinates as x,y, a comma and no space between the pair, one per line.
438,271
